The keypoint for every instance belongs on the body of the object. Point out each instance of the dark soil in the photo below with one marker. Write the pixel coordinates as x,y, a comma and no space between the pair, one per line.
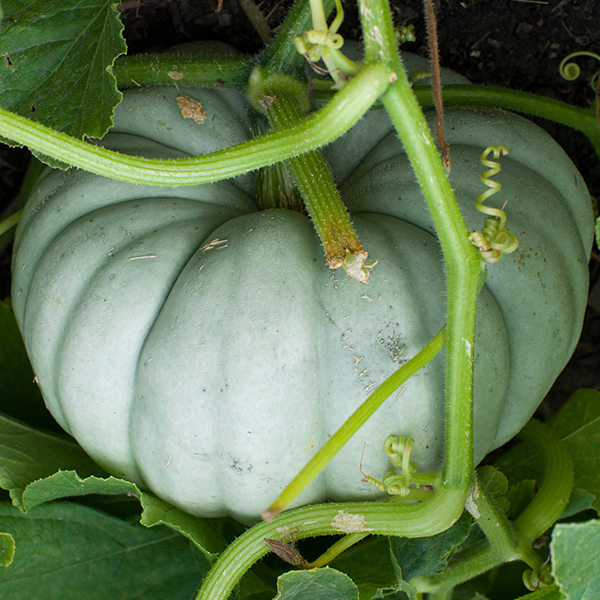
512,43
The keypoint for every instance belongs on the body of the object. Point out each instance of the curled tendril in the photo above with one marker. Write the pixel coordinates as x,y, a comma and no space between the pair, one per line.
324,43
494,239
313,43
571,71
536,580
403,483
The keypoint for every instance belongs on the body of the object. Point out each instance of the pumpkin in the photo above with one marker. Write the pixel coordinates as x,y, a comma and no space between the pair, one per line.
203,349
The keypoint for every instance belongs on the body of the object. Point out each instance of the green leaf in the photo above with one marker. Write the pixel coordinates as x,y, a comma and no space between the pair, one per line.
575,550
577,424
56,64
369,565
28,454
202,532
316,584
68,484
7,549
548,593
37,467
20,397
403,585
579,501
420,557
71,551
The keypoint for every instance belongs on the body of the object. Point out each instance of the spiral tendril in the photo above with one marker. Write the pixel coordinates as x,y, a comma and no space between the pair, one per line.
393,483
571,71
494,239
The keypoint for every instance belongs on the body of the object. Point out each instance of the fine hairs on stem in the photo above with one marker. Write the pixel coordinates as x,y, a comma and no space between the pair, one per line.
436,81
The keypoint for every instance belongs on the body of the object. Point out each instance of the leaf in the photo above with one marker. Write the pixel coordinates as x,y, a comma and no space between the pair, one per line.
202,532
20,397
520,496
28,454
68,484
577,424
575,550
316,584
548,593
38,467
369,565
424,556
71,551
579,501
7,549
403,585
56,64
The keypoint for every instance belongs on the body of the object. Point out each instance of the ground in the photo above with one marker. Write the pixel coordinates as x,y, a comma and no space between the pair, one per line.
512,43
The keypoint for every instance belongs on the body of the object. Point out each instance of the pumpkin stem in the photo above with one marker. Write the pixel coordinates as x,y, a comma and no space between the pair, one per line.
275,188
284,101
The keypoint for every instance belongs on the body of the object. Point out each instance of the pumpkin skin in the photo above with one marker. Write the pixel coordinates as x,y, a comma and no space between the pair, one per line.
202,349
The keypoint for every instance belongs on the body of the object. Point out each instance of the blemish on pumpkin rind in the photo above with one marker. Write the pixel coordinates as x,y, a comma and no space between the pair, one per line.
349,522
190,108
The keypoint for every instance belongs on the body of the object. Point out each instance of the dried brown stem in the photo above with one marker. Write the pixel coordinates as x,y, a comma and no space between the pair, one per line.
436,81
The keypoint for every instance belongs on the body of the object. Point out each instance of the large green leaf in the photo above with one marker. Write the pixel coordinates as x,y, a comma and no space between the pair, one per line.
56,64
38,467
28,455
575,549
316,584
66,551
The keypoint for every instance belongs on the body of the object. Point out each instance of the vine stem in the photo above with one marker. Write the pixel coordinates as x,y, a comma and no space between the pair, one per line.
375,518
10,222
462,263
182,70
582,119
318,129
543,511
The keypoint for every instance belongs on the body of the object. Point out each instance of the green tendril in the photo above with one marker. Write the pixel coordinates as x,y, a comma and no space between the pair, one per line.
571,71
494,239
402,484
324,43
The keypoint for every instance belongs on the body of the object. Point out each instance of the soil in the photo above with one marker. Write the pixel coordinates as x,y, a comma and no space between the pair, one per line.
511,43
